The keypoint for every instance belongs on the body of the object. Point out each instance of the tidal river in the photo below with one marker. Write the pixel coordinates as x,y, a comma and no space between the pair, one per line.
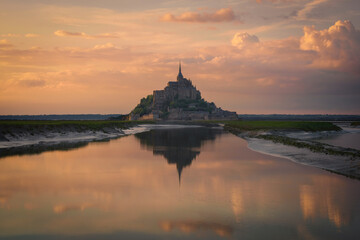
189,183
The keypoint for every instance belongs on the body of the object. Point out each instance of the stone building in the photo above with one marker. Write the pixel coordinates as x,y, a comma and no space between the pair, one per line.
180,100
181,89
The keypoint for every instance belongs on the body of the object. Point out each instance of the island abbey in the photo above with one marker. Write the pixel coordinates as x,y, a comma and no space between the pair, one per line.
179,100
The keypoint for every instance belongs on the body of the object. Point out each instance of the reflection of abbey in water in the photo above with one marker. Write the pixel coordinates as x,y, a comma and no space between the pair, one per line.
178,146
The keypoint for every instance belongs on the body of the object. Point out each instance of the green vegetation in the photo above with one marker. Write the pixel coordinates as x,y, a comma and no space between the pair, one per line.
193,105
281,125
355,124
144,107
78,125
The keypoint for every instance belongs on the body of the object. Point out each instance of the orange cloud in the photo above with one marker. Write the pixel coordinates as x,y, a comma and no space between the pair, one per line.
5,44
337,47
31,35
9,35
221,15
225,74
277,1
62,33
28,35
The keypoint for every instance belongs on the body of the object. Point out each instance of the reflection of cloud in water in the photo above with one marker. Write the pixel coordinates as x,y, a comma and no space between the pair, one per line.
319,199
178,146
61,208
237,203
193,226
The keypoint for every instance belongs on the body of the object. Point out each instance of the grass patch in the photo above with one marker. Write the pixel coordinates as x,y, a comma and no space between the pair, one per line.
80,125
281,125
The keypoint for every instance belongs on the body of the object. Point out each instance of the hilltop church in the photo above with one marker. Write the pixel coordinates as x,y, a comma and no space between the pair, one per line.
181,89
179,100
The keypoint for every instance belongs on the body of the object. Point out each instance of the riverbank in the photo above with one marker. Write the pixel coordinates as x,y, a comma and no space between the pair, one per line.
297,141
33,137
20,137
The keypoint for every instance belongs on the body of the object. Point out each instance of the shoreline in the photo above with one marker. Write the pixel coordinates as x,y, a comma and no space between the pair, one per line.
345,165
20,142
294,145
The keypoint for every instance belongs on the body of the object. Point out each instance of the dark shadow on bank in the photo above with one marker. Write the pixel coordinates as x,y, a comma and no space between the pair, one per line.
178,146
41,147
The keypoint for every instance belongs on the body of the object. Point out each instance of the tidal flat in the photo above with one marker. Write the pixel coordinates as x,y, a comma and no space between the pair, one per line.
296,140
303,142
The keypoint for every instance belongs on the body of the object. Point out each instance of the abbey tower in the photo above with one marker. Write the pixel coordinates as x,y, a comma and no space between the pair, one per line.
179,100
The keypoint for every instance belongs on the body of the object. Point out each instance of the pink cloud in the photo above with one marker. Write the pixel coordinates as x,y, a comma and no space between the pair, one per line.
336,48
240,40
221,15
62,33
277,1
248,75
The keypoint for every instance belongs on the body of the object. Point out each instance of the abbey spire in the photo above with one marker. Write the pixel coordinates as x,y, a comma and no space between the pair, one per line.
179,76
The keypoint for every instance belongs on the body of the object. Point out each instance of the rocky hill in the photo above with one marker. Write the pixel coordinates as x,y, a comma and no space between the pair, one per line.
179,100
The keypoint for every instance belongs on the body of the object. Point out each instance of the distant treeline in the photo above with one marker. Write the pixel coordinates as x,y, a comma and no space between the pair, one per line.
308,117
61,117
296,117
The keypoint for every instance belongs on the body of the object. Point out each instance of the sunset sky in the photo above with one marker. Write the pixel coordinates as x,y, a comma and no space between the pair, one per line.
249,56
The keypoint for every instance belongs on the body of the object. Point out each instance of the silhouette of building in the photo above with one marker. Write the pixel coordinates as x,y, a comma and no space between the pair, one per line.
180,100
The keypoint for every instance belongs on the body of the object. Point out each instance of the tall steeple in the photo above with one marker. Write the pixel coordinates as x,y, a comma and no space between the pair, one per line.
179,76
179,169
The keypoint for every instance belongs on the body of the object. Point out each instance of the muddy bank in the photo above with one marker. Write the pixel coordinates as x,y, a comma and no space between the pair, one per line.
305,150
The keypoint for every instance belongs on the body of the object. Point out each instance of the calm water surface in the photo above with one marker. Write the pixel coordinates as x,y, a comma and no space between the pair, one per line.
349,139
195,183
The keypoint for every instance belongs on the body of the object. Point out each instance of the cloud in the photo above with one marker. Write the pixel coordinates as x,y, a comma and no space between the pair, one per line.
31,35
105,46
240,40
336,48
221,15
248,75
10,35
28,35
5,44
62,33
276,1
33,82
303,13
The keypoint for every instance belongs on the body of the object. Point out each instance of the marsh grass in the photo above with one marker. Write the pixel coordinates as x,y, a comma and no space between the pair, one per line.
312,146
282,125
78,125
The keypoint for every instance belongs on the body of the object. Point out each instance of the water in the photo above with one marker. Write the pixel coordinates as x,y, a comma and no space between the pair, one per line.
348,138
195,183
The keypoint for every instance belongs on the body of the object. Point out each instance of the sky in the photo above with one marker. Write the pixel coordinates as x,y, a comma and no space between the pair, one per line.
248,56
